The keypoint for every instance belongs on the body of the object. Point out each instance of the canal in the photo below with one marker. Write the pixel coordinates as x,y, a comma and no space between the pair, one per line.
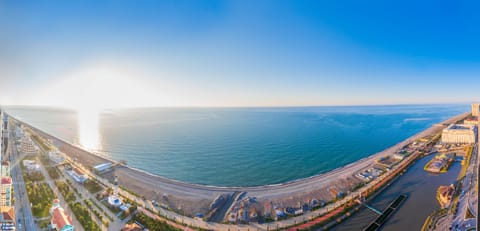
419,185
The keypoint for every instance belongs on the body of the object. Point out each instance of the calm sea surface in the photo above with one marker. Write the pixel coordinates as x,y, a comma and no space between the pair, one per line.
238,146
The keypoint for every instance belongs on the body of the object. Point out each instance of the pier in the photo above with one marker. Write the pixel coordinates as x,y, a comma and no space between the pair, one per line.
142,184
380,220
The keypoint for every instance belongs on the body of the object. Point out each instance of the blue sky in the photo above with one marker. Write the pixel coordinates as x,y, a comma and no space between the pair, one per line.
239,53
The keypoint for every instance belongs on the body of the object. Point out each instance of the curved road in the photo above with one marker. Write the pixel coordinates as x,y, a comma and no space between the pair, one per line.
23,211
145,183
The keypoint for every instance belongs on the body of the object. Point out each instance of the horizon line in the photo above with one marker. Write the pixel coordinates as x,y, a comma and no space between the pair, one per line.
240,106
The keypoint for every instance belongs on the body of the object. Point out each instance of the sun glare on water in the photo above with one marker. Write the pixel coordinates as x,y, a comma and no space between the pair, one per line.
91,89
88,129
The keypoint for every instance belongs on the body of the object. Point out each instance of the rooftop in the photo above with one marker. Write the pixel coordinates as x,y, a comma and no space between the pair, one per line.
8,213
103,167
459,127
6,180
60,219
132,227
78,171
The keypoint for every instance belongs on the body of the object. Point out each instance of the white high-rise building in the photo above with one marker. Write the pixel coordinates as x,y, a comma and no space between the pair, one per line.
459,134
5,168
6,192
475,109
27,146
1,134
4,128
18,132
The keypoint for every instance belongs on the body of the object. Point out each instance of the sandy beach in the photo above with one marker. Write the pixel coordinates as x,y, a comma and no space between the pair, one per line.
196,198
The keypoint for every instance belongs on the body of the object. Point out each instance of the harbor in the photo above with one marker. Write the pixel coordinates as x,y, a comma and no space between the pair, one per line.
239,116
201,196
420,187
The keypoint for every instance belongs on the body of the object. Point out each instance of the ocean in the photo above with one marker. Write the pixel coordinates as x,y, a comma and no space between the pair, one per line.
238,146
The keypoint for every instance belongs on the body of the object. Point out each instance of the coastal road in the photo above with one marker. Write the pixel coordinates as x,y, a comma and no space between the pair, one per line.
473,199
116,224
63,203
147,184
143,183
23,211
460,222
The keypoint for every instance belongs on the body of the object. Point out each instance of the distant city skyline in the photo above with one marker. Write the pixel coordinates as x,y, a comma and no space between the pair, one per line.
91,54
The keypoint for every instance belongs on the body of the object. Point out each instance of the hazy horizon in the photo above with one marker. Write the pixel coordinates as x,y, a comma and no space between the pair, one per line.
244,107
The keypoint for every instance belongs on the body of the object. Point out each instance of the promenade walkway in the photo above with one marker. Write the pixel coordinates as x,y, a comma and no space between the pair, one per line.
63,203
114,225
286,189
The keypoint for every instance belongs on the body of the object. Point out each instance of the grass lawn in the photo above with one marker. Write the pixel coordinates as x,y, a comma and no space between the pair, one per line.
66,191
39,193
41,197
83,216
53,172
152,224
92,186
44,223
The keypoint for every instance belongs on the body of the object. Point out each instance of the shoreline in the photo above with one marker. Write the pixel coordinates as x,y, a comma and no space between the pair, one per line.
190,199
328,172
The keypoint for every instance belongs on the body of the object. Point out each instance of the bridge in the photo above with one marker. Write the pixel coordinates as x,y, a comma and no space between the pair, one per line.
380,220
361,201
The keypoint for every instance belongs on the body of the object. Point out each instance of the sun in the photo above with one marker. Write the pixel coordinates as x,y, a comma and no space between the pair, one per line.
91,89
108,88
100,86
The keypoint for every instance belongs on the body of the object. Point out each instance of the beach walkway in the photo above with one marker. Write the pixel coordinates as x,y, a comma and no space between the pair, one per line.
146,184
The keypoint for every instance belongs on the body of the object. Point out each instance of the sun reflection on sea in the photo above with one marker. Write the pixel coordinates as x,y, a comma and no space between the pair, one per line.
88,129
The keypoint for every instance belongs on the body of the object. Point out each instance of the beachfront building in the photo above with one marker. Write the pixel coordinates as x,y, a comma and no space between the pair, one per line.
60,220
471,121
1,136
475,109
103,167
440,163
4,133
5,121
7,218
6,192
445,195
399,156
267,209
386,161
18,132
459,134
368,174
78,175
5,168
27,146
31,165
56,157
132,227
